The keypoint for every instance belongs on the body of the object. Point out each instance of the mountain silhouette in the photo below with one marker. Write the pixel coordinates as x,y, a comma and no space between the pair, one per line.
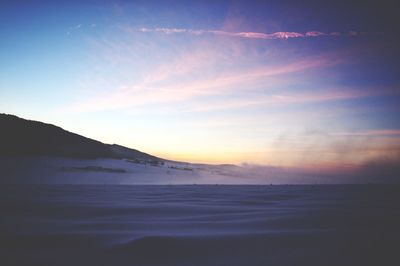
21,137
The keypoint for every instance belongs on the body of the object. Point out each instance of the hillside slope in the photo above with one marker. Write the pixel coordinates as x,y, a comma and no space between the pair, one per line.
21,137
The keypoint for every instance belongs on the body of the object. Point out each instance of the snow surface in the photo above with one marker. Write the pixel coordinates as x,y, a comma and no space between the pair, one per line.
211,225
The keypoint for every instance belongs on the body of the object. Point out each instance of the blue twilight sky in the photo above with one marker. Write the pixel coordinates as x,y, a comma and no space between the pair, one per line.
283,83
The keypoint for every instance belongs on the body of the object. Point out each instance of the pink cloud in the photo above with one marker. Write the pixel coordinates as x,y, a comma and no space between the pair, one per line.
285,35
170,31
250,35
335,33
188,76
254,35
353,33
289,99
162,86
314,33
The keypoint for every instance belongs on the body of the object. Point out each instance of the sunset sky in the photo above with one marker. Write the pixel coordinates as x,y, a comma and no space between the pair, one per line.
281,83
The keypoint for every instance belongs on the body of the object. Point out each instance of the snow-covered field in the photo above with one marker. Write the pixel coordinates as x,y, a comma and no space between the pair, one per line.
199,225
57,170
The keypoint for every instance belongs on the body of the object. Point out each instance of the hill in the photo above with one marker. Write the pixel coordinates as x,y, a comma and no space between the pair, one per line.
21,137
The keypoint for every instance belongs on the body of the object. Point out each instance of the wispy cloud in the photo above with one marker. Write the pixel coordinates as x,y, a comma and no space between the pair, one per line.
372,133
158,88
332,94
250,34
74,28
213,69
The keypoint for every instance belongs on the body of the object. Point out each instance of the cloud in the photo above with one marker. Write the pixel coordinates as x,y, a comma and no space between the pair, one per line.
74,28
332,94
353,33
177,81
250,35
315,33
164,30
258,35
162,86
335,33
378,133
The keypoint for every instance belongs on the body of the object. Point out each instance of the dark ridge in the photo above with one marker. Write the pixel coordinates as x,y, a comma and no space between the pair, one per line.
21,137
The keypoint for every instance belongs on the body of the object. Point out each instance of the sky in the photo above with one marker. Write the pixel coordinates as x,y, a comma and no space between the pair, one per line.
309,84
